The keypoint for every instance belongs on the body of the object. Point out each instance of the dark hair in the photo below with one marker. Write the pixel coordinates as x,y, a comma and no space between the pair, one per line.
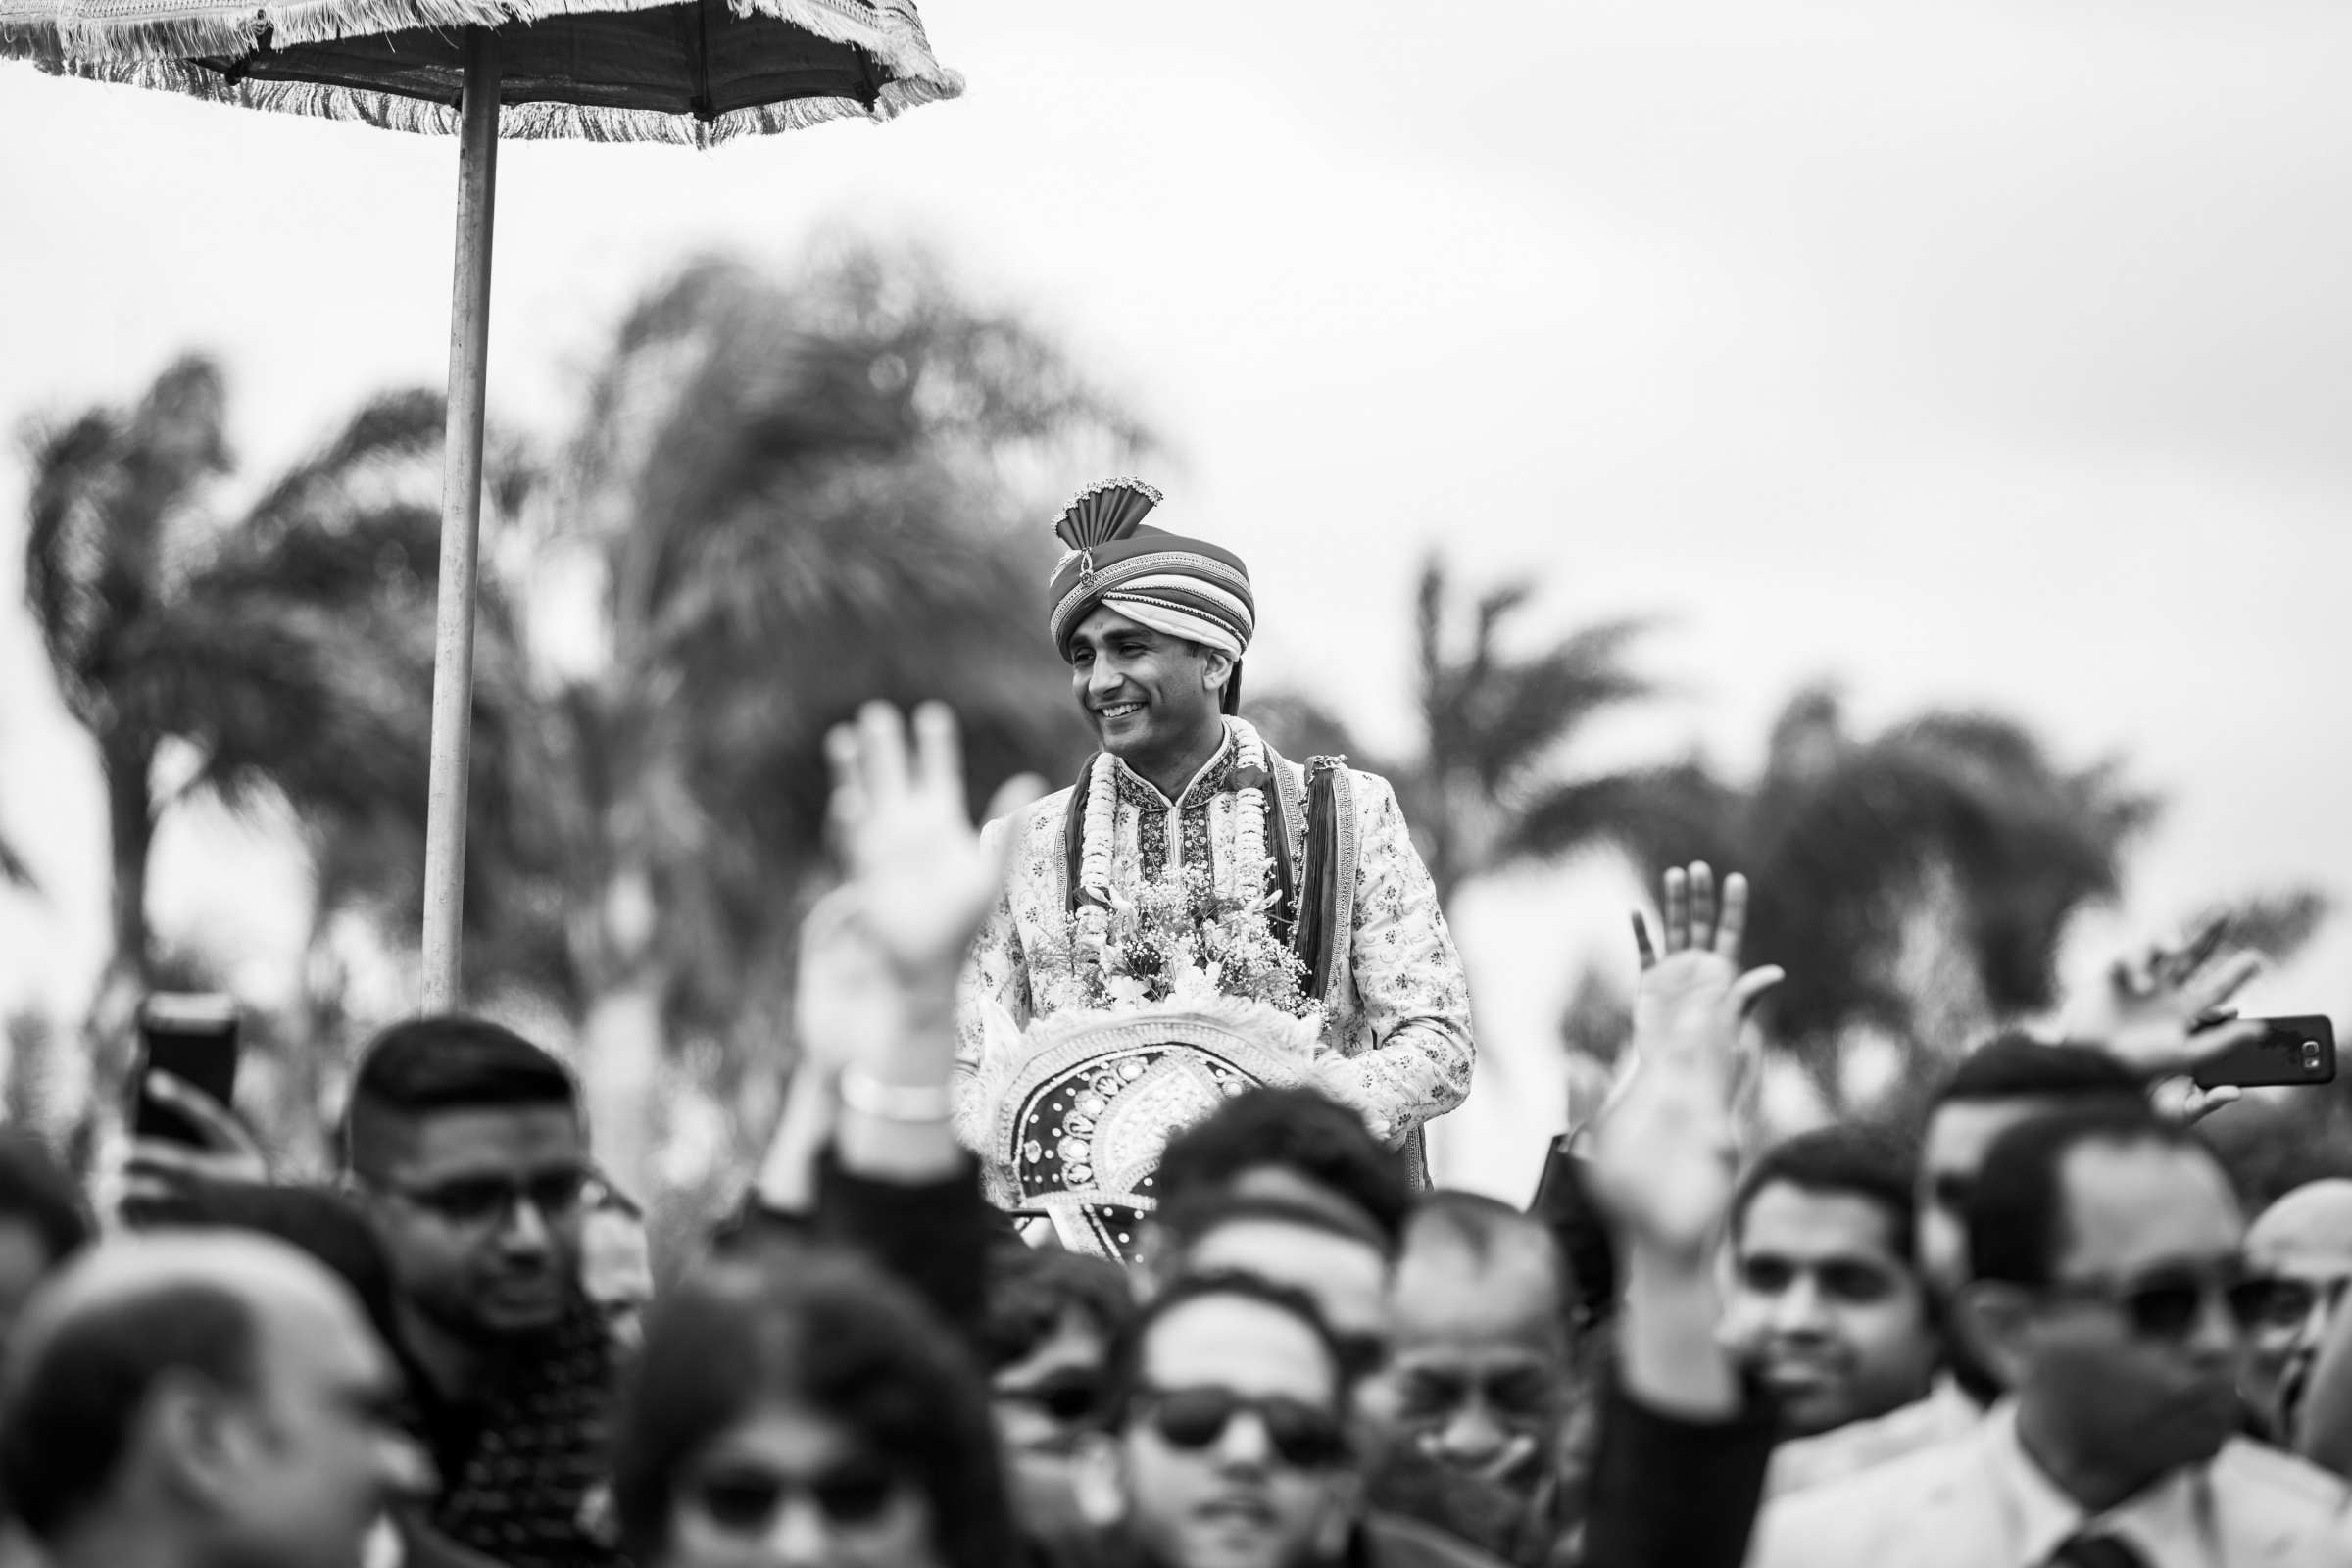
70,1406
1862,1162
324,1225
1031,1292
1188,1221
2017,1066
1297,1130
35,1189
2017,1214
1127,1352
810,1324
447,1062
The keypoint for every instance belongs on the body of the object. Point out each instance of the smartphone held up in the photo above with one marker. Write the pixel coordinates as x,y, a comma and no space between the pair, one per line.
194,1037
2290,1051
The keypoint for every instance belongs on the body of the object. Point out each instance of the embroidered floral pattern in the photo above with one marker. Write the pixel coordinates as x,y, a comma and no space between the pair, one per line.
1396,1036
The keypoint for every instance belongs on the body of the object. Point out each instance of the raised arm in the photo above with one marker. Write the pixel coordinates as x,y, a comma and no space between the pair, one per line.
881,958
1683,1453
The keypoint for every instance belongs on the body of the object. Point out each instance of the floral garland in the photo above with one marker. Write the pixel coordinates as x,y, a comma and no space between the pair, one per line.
1190,934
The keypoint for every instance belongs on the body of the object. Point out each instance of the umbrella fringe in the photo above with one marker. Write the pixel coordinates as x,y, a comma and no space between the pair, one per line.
101,30
533,121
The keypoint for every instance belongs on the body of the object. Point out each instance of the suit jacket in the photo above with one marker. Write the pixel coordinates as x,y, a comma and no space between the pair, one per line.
1944,1414
1952,1506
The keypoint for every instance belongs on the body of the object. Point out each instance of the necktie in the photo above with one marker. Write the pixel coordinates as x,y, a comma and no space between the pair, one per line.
2088,1550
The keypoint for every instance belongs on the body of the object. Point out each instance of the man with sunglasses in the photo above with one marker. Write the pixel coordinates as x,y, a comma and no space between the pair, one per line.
1232,1444
465,1147
2108,1295
2301,1249
2007,1081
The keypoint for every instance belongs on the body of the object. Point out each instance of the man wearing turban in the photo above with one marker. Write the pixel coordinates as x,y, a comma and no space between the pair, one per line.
1154,626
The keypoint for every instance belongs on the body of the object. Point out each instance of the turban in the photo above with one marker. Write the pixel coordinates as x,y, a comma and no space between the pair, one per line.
1182,587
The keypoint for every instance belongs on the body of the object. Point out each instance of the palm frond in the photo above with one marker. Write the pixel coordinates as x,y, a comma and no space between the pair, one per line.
392,427
2277,922
76,474
1660,816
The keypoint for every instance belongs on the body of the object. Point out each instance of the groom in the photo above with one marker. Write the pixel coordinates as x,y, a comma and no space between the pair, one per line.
1154,626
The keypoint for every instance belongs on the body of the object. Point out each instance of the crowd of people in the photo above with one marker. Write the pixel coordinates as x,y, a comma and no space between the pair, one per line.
2046,1335
2043,1332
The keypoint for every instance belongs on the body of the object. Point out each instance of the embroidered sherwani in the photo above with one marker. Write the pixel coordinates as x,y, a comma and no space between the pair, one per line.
1396,1043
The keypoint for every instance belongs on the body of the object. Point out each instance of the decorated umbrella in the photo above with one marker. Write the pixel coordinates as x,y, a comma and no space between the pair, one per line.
696,72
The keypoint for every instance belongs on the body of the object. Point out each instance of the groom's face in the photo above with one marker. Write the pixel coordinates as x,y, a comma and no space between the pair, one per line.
1143,691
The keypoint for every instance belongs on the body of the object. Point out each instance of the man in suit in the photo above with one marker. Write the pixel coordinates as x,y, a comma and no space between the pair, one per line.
2106,1294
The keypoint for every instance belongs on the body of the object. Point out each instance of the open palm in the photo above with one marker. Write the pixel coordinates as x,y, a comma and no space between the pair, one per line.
921,879
1663,1147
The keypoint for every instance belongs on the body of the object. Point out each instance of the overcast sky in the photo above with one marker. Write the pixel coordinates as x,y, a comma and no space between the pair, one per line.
1971,352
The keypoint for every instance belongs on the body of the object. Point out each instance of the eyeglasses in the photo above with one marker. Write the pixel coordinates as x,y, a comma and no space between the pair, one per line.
744,1500
1067,1397
2167,1306
2288,1304
1301,1436
482,1200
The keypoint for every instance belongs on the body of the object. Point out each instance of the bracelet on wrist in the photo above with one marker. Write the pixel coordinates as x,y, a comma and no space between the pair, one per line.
916,1104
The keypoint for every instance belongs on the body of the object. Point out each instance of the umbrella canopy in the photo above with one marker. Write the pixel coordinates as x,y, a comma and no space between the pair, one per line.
692,71
697,72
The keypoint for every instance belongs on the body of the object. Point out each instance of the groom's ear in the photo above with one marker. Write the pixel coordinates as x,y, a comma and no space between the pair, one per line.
1216,667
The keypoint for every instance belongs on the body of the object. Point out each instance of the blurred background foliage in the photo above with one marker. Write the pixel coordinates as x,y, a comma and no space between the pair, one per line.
782,495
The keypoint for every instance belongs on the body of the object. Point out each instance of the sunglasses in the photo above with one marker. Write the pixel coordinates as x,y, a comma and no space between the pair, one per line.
1301,1436
744,1501
2288,1304
480,1199
2169,1307
1065,1397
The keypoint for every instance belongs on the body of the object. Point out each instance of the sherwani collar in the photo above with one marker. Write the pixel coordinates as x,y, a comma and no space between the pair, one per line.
1201,783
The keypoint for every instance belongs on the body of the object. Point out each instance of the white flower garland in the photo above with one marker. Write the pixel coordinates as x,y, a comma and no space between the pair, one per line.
1249,809
1098,828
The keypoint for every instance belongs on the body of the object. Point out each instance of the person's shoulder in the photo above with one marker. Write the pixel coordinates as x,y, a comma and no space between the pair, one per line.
1849,1518
1803,1463
1391,1540
2273,1478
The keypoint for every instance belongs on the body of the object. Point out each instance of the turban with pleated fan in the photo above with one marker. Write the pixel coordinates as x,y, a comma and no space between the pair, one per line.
1183,587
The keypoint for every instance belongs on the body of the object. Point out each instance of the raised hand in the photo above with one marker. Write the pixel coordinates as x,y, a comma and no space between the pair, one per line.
1664,1147
159,1173
880,955
2164,1012
920,882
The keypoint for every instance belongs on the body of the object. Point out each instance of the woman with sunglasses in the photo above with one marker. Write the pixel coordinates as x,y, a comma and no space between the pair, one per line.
802,1410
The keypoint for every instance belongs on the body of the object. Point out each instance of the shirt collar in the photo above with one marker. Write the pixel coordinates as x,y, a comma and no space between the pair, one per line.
1207,771
2170,1522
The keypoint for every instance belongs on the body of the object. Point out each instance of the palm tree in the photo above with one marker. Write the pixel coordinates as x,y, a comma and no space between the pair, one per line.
1914,884
793,497
1480,787
284,652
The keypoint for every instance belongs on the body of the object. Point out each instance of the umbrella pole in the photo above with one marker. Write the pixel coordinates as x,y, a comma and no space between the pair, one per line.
460,524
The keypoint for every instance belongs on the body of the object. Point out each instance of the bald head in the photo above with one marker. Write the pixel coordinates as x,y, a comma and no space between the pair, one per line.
1479,1377
2312,1221
136,1319
2302,1246
1476,1268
